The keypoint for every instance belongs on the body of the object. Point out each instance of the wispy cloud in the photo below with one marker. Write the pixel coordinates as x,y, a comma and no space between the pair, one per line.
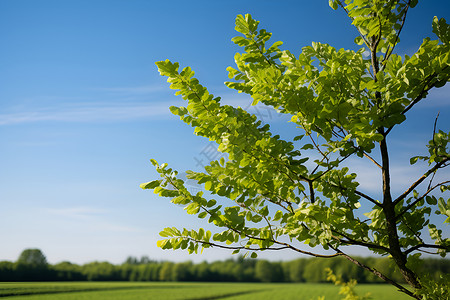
94,218
402,177
81,212
88,112
439,97
134,90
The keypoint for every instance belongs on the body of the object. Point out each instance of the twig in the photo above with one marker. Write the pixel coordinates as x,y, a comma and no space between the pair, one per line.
420,180
420,199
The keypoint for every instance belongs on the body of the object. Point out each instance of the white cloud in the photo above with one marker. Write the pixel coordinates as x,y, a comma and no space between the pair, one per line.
76,212
94,219
134,90
88,112
402,177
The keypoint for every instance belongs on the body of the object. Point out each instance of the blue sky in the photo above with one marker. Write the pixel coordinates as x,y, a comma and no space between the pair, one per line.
83,109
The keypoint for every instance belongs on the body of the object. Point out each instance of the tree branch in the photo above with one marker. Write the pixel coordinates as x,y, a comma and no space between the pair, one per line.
284,246
417,247
359,31
420,199
390,50
351,241
420,96
361,194
373,160
420,180
377,273
377,203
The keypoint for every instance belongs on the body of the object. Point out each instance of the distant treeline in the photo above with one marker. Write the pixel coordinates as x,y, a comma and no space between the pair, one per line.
32,266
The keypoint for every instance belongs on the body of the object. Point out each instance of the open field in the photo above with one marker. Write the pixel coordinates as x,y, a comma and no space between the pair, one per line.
177,290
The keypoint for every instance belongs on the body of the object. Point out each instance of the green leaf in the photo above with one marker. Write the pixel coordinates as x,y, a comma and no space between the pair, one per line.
431,200
208,185
413,160
441,29
359,40
298,137
333,4
264,211
444,208
167,68
150,185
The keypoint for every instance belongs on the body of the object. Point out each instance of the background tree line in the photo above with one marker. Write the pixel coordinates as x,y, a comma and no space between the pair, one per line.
33,266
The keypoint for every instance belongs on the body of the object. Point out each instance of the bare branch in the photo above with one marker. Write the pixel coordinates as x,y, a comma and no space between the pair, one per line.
377,203
373,160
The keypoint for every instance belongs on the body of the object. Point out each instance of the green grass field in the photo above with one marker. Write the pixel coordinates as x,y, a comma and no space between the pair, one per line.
176,290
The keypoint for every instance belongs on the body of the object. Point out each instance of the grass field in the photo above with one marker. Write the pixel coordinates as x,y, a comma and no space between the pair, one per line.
186,291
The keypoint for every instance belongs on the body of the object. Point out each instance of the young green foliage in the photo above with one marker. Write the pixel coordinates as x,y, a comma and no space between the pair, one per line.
345,105
347,288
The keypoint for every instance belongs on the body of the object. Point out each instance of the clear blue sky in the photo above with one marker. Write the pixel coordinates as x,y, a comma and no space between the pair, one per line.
83,109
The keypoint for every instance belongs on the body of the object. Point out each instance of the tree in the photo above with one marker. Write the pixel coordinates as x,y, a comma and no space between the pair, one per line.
67,271
100,271
345,107
32,265
7,271
267,271
33,257
166,272
295,269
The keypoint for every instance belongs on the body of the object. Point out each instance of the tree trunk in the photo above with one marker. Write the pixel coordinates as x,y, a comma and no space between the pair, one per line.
399,257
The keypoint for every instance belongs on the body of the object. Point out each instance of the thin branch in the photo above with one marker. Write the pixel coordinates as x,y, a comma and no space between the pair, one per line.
420,180
270,227
361,194
373,160
315,145
351,241
284,246
376,273
332,168
311,191
306,252
431,180
427,252
233,247
359,31
417,247
415,233
434,132
420,96
390,50
420,199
